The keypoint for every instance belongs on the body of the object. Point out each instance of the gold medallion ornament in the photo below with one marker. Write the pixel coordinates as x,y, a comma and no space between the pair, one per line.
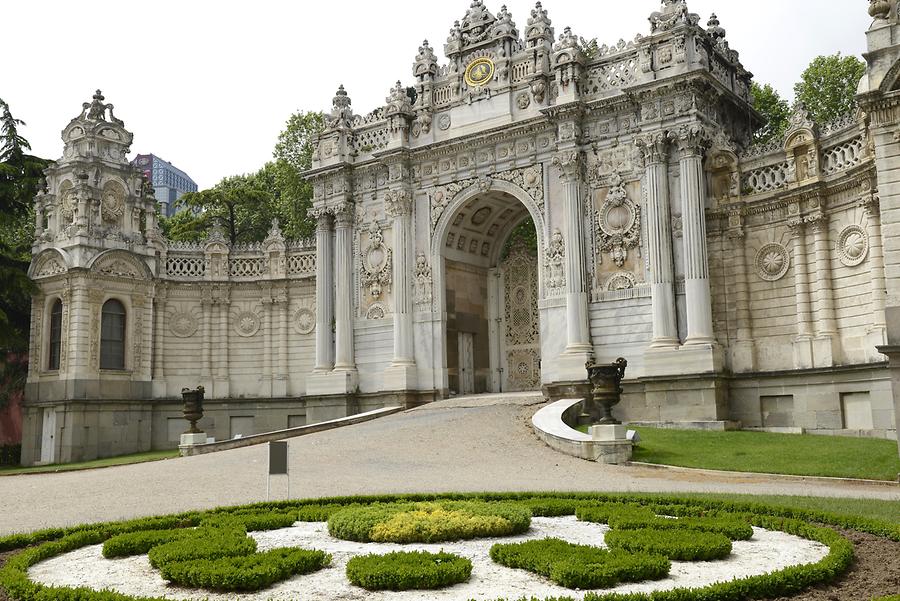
480,71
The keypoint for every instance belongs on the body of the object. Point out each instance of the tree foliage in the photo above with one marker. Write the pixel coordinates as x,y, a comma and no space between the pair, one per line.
245,205
775,110
20,175
828,86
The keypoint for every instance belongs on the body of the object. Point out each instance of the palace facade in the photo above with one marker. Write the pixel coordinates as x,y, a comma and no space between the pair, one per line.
744,284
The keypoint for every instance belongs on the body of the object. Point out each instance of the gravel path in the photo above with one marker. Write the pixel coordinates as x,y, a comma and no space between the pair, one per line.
473,444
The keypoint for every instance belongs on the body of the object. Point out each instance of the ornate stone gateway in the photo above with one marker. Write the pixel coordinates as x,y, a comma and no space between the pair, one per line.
521,353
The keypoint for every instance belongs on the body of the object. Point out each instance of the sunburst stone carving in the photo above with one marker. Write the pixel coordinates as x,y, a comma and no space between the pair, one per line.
772,262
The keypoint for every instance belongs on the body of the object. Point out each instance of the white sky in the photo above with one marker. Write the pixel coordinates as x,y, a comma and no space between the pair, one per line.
208,85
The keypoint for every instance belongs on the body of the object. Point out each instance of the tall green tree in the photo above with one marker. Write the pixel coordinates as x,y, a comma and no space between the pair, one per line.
241,204
828,86
20,175
293,155
775,110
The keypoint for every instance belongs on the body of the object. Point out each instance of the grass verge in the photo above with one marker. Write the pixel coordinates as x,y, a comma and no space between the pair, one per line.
765,452
93,464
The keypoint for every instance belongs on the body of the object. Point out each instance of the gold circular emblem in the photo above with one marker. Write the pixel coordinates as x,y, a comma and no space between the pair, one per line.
480,71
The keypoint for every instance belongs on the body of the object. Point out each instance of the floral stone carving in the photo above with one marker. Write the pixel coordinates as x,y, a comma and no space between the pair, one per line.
377,263
853,245
246,324
304,320
423,294
183,325
772,262
556,264
618,223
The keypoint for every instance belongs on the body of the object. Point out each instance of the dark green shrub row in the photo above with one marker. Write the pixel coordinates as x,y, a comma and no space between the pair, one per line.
208,543
317,513
428,522
403,571
604,512
254,521
580,566
245,573
683,545
139,543
732,527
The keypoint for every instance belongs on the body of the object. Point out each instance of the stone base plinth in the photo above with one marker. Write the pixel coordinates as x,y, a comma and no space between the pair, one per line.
400,378
684,360
607,432
190,440
570,366
332,382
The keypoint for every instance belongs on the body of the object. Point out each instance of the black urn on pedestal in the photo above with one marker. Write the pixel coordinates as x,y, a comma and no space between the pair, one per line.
193,407
606,391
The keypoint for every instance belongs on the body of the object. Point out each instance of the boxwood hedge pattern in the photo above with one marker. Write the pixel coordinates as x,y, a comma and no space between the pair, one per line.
45,544
580,566
406,570
428,522
681,545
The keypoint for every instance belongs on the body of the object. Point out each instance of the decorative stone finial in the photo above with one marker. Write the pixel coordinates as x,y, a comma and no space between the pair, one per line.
879,9
426,61
505,25
539,29
673,13
566,40
341,113
714,28
398,101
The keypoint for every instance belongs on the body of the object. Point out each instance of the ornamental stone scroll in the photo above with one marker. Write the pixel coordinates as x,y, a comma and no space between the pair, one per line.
618,223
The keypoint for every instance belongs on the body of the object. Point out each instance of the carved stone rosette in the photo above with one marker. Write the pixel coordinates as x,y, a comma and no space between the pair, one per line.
618,223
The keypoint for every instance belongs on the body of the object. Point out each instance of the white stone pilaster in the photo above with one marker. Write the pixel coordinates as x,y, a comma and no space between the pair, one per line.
743,351
324,294
578,338
691,141
159,305
659,243
826,344
803,357
343,302
876,261
401,375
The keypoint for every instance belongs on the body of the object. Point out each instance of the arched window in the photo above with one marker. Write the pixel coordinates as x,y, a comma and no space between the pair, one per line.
112,335
55,335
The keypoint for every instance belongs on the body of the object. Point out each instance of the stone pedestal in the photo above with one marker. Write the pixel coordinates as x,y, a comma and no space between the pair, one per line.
190,440
693,359
607,433
400,377
334,382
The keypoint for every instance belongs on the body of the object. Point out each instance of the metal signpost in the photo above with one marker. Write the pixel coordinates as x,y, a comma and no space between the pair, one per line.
278,464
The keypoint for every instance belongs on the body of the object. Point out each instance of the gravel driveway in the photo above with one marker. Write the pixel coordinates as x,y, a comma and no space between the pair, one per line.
473,444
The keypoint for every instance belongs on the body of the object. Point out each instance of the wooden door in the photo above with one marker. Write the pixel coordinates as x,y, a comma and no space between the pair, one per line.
48,436
466,363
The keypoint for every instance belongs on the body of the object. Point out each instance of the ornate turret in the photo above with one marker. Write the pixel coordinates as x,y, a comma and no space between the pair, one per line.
426,66
539,31
341,114
480,29
94,198
672,14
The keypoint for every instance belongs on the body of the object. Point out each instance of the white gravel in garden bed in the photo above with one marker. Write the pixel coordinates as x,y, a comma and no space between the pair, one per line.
767,551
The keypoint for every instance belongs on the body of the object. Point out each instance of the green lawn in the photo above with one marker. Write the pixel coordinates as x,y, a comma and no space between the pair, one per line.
795,454
86,465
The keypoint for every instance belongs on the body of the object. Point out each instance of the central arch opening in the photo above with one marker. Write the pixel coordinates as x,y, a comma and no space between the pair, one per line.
491,291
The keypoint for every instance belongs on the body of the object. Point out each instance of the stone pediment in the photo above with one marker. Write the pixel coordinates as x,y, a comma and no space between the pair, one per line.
121,264
49,263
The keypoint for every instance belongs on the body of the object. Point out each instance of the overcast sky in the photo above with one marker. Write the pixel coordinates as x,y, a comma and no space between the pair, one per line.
208,85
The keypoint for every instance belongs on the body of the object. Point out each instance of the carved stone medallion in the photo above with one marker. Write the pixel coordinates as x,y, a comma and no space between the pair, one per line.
853,245
444,122
304,320
623,280
246,324
183,325
479,72
772,262
618,223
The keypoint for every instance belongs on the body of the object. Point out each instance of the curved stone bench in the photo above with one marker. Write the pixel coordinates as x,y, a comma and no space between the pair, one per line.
551,426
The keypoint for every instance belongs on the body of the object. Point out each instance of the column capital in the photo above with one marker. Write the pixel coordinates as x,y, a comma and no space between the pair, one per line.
323,218
797,226
398,203
818,220
653,146
344,214
691,140
569,164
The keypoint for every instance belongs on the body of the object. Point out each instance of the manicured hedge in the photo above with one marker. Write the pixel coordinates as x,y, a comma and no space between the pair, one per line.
428,522
733,527
245,573
580,566
403,571
139,543
683,545
55,541
603,513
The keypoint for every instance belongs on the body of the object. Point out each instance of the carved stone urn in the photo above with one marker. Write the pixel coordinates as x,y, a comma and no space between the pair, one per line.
193,407
879,9
606,391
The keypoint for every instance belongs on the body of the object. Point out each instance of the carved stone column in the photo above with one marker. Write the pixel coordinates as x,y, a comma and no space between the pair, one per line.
826,344
343,305
659,233
698,302
578,338
207,307
871,206
743,352
159,304
324,293
279,385
401,375
803,341
222,386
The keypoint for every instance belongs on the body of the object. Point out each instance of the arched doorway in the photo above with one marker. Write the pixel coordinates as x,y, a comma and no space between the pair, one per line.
490,270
